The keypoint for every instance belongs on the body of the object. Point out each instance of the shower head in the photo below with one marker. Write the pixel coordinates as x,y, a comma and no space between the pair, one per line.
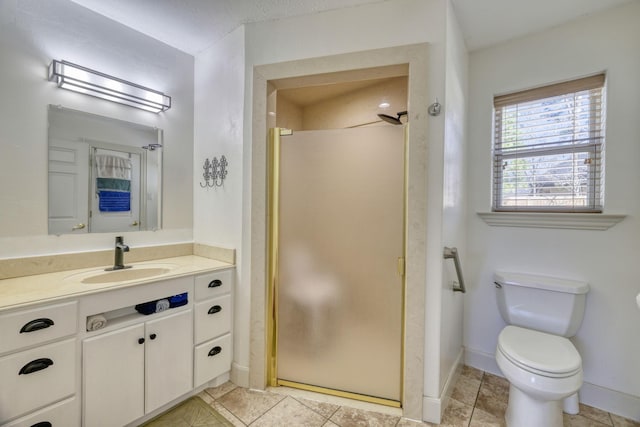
391,119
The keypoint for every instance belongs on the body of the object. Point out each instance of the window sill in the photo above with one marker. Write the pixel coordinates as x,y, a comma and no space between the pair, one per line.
574,221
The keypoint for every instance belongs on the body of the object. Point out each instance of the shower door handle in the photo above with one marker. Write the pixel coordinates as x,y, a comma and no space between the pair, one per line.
401,266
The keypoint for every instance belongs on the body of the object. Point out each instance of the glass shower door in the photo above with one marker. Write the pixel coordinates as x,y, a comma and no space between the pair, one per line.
340,246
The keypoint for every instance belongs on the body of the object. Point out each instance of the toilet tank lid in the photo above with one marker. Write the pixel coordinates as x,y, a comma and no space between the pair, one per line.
541,282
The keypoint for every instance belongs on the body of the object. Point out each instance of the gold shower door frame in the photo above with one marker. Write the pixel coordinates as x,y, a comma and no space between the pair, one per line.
273,202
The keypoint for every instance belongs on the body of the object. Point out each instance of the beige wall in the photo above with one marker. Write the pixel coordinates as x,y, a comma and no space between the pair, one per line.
288,114
355,108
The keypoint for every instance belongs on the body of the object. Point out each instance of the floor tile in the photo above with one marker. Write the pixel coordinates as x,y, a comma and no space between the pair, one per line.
227,414
466,390
277,408
468,371
290,412
248,405
323,408
350,417
405,422
580,421
190,413
619,421
481,418
456,414
595,414
493,396
221,390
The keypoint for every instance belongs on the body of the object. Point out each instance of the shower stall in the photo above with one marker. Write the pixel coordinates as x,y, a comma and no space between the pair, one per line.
430,331
337,261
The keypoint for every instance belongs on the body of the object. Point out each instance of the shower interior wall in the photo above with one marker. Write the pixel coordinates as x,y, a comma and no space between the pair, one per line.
347,105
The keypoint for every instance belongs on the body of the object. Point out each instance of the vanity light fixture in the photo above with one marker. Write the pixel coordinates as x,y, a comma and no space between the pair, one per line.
90,82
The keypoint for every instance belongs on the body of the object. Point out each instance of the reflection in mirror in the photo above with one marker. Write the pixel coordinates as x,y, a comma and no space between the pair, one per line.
105,174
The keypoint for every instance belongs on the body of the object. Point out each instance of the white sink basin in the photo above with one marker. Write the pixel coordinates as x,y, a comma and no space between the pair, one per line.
136,272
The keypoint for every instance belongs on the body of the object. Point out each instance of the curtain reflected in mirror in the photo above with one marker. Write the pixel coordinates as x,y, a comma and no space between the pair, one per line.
104,174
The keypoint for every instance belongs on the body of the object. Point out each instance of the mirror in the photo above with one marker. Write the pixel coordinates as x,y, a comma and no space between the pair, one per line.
105,175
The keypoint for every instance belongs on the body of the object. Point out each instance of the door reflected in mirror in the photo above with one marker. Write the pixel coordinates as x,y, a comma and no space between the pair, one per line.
105,174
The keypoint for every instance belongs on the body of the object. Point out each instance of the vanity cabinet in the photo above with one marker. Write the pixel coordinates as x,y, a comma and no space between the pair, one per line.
212,336
38,366
57,371
136,369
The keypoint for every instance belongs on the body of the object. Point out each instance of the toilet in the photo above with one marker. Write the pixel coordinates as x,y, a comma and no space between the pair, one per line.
543,367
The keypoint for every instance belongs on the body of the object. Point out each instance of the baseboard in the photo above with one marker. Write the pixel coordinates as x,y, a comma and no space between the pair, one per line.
616,402
432,407
484,361
240,375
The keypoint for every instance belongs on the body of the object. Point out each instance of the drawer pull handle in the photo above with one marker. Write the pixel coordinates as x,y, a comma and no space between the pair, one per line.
35,366
215,309
43,424
140,340
215,283
215,350
36,324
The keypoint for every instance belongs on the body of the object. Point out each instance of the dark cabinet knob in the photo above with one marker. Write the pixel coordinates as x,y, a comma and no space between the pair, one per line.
35,366
215,309
36,324
140,340
215,350
152,336
215,283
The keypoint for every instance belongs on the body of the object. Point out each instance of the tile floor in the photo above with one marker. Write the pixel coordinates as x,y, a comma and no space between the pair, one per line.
479,399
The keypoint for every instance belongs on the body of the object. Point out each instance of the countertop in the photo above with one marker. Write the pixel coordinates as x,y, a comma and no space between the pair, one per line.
22,291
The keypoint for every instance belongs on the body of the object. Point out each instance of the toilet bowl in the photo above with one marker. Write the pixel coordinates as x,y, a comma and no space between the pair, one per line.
542,370
543,367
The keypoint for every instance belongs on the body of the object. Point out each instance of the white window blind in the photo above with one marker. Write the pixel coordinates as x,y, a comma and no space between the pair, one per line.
548,148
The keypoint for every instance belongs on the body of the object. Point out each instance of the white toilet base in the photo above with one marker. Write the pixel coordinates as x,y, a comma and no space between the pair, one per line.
571,404
524,411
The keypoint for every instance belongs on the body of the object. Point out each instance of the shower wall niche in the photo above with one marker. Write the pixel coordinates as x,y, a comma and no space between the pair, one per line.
340,105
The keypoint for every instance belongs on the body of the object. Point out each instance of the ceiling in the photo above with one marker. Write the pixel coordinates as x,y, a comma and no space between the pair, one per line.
193,25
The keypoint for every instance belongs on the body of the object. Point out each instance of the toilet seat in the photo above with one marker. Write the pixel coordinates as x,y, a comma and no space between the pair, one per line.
539,353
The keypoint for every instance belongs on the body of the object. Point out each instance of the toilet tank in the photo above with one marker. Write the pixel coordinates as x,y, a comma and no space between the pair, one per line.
546,304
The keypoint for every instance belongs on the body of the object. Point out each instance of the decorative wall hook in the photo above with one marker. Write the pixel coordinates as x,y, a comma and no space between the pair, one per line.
435,108
215,172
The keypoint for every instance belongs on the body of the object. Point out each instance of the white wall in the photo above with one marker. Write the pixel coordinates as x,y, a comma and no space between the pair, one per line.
379,25
218,122
608,339
32,33
454,193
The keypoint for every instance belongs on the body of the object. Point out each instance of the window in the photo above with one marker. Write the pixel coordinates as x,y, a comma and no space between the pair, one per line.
548,148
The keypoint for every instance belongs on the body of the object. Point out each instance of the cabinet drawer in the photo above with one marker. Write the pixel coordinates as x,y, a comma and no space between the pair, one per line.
30,327
212,318
212,359
213,284
61,414
35,378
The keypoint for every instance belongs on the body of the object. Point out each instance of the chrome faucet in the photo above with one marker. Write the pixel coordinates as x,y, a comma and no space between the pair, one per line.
121,248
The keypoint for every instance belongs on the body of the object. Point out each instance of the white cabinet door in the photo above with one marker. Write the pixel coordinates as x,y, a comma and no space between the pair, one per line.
113,377
169,358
